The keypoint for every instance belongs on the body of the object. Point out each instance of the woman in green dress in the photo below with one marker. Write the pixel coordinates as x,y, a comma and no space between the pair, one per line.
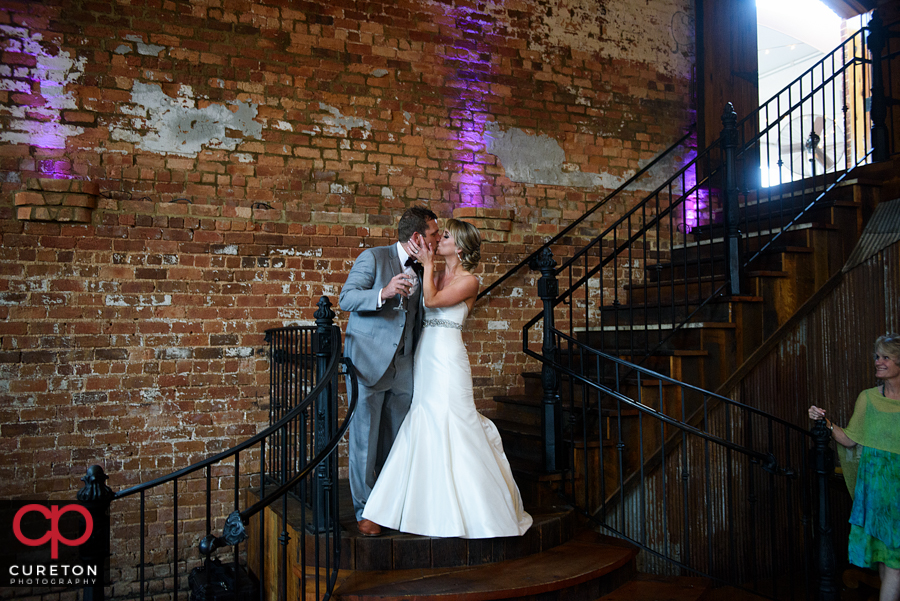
871,462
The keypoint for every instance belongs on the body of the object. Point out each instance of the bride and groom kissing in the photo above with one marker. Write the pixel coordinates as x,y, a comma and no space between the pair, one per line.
422,459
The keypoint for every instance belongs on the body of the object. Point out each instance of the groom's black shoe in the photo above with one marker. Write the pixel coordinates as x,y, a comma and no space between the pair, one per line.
368,528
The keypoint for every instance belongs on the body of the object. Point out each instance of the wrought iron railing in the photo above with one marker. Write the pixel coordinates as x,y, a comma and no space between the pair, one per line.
163,533
703,484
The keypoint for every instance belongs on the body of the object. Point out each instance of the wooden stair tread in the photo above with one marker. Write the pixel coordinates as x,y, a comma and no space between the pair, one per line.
666,353
586,557
630,381
706,261
525,430
704,229
649,587
704,279
665,305
692,325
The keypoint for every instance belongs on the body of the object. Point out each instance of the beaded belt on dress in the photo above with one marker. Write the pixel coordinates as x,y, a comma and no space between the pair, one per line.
442,323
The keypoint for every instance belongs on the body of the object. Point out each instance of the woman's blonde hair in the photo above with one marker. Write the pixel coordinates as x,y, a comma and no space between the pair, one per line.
889,345
468,241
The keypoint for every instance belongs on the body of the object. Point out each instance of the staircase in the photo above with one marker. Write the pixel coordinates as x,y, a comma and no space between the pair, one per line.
712,343
667,304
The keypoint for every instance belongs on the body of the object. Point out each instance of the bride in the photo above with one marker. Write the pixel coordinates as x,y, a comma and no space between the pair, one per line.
446,474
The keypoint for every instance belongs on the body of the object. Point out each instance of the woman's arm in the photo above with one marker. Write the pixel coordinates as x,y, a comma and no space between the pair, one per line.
463,289
815,413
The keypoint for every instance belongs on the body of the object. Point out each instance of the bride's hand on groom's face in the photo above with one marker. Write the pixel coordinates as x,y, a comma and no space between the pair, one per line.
422,252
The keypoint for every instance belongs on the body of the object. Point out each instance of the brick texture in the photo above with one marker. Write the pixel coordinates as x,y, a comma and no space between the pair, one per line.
240,156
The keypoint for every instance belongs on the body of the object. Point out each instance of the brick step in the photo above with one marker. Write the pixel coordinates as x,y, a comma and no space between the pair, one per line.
582,569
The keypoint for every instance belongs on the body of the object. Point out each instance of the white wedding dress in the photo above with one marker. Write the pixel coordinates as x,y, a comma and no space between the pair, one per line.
446,474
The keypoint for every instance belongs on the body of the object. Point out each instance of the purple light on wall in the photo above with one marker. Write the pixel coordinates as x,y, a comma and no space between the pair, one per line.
38,92
695,211
468,96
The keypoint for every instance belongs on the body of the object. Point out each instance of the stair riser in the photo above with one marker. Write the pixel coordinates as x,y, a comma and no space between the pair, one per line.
715,311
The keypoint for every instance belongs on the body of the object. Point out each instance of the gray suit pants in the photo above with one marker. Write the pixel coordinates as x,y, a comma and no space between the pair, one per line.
379,413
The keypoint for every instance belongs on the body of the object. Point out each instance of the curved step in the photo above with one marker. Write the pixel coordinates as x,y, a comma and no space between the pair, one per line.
397,551
582,569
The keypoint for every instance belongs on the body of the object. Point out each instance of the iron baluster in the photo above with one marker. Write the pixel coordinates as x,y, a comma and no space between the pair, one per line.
97,496
823,459
548,289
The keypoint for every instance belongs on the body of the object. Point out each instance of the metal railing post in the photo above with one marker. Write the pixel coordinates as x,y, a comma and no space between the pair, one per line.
732,235
551,414
323,342
97,496
823,464
876,41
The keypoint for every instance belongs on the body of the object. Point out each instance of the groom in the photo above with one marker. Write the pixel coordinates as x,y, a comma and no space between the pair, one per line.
380,342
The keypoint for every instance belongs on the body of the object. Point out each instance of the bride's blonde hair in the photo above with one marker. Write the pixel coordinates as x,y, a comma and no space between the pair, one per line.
468,241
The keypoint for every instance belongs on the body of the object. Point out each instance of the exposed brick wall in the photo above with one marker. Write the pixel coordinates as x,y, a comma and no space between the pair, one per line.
246,152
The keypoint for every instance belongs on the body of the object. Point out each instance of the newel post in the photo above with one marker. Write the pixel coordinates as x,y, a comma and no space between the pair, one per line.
551,414
323,346
96,497
823,464
732,234
876,41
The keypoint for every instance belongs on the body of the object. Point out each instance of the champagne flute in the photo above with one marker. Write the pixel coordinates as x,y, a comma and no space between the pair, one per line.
413,281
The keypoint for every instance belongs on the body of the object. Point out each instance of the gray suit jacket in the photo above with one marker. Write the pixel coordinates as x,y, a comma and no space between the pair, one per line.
373,335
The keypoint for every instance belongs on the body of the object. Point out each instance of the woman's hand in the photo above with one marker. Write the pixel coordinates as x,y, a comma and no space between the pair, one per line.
423,253
816,414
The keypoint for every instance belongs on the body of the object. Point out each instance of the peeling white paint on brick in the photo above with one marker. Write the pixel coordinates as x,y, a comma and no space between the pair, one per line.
242,157
293,252
174,353
657,34
498,325
166,125
154,300
145,49
239,351
230,249
386,192
150,395
54,69
283,126
336,188
337,124
538,159
516,293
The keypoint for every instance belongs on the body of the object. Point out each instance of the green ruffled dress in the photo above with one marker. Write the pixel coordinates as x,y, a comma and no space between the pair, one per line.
872,469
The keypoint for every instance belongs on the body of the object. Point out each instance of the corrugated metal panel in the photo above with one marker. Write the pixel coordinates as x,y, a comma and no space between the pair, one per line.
882,230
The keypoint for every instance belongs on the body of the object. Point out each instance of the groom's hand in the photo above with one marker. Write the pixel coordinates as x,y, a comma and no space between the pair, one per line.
399,284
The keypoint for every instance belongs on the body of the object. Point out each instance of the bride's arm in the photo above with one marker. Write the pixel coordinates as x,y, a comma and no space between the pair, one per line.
463,289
